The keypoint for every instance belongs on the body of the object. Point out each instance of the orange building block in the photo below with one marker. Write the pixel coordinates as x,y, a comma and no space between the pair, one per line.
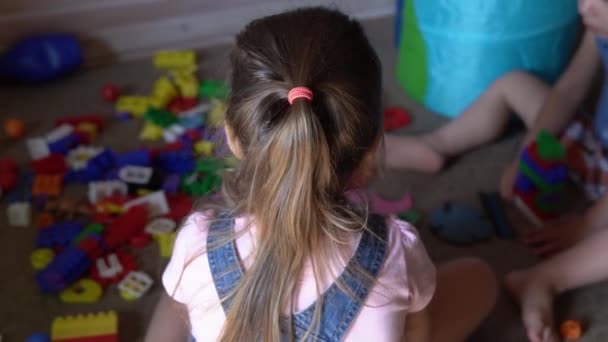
45,219
571,330
47,185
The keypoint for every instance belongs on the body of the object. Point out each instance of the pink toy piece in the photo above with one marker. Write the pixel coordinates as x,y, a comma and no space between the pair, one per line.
383,206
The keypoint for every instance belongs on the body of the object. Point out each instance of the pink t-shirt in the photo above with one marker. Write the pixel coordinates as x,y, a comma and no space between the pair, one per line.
406,282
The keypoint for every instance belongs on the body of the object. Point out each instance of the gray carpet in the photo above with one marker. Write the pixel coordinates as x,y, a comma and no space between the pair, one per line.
24,310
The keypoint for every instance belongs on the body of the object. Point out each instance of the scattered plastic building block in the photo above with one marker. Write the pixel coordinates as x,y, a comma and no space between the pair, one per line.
160,117
79,157
138,158
112,268
49,165
65,269
140,240
74,121
104,189
45,219
175,59
165,243
95,168
100,327
162,93
204,148
460,224
41,257
8,174
395,118
213,89
62,139
19,214
151,132
136,105
493,206
171,184
180,206
83,291
129,224
47,185
571,330
383,207
37,148
23,191
58,234
173,132
215,117
541,179
161,226
135,285
38,337
93,228
409,216
180,162
110,92
156,203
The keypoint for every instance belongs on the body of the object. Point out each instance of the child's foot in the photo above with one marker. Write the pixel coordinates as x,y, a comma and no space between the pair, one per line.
536,301
413,153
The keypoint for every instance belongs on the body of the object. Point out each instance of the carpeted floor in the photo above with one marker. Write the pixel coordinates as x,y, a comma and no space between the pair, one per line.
24,310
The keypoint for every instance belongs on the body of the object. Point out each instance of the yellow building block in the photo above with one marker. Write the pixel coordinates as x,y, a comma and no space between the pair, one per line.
204,148
187,83
151,132
165,243
89,128
136,105
162,93
83,291
175,59
215,117
41,257
103,323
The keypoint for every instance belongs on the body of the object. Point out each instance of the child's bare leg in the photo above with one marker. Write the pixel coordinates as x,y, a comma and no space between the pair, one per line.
482,122
466,293
534,288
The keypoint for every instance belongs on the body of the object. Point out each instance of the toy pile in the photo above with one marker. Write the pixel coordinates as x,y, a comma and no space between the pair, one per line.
133,197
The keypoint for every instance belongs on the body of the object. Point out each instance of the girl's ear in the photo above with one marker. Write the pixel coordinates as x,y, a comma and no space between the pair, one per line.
233,142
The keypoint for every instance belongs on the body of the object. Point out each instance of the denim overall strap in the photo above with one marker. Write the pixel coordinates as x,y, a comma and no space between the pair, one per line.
340,309
224,264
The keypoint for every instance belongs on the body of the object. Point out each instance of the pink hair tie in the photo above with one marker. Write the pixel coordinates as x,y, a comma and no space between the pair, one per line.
299,93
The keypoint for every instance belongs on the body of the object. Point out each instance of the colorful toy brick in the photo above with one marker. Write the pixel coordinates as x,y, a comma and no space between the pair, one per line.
23,191
410,216
395,118
173,132
155,202
65,269
95,168
176,162
213,89
186,83
79,157
51,164
181,104
83,291
151,132
140,241
93,228
100,327
165,243
493,206
571,330
112,268
136,105
215,117
104,189
129,224
110,92
38,337
58,234
175,59
135,285
19,214
41,257
47,185
161,226
204,148
74,121
160,117
162,93
541,179
91,245
8,174
67,208
37,148
171,184
62,139
44,220
139,158
180,206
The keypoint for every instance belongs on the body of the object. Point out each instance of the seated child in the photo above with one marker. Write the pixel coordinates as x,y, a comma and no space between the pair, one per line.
288,257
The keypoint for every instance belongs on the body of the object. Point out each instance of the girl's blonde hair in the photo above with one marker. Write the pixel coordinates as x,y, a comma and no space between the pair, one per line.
298,159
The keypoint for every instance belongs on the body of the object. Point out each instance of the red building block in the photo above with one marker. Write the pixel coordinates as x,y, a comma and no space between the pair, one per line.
47,185
126,226
179,206
395,118
8,174
127,264
74,121
52,164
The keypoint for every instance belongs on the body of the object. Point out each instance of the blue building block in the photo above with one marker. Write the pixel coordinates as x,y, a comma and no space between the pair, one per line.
554,176
64,270
58,234
23,191
180,162
190,122
492,204
38,337
523,184
460,224
95,169
65,144
139,158
171,183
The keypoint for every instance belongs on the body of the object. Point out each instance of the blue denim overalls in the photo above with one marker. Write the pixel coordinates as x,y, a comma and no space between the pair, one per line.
339,310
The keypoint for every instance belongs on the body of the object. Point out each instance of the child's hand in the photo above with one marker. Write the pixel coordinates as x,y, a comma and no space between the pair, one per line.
507,181
557,236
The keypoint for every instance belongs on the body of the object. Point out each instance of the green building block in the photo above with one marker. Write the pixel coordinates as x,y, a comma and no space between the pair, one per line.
538,181
93,228
549,147
160,117
213,89
410,216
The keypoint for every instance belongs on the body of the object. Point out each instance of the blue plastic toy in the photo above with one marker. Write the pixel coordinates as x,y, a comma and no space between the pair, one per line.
41,58
58,234
139,158
64,270
460,224
38,337
179,162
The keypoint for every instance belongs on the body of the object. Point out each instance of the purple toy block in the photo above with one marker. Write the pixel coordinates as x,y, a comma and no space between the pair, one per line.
67,267
179,162
171,184
59,234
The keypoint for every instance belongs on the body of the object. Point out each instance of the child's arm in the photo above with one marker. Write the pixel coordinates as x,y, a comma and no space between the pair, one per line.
571,89
168,323
418,326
